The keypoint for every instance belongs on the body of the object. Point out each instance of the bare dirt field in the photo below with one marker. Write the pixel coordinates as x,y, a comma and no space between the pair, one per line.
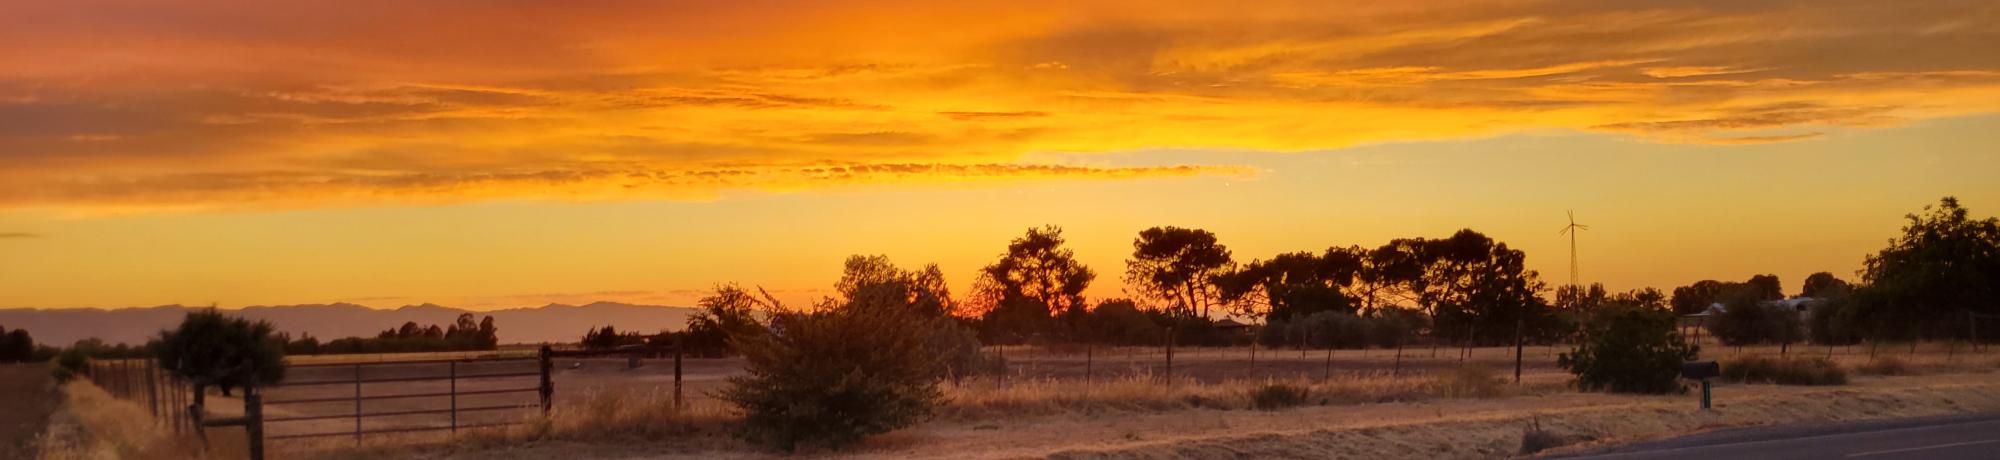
26,399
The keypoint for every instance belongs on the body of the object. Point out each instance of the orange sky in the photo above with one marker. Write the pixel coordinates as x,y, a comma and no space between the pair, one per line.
489,153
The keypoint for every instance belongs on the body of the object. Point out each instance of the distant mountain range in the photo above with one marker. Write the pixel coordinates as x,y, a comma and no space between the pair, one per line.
548,323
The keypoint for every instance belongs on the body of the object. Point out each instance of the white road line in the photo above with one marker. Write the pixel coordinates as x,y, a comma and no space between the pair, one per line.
1914,449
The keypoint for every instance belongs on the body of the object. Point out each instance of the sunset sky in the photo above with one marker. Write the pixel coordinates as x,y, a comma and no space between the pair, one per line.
501,153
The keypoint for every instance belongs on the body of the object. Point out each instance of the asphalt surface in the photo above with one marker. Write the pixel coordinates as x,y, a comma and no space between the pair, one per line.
1974,436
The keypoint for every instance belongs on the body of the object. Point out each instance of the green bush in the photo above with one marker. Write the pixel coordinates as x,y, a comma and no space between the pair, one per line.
834,376
1793,371
1274,396
1629,350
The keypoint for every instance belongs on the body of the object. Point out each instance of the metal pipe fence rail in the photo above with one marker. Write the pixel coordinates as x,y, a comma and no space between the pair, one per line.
328,379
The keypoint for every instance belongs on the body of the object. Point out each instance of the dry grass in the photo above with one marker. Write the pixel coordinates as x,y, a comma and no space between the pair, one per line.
600,417
984,399
1887,365
1786,371
92,424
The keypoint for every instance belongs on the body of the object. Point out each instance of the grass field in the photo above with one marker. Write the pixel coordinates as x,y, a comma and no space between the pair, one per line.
1116,401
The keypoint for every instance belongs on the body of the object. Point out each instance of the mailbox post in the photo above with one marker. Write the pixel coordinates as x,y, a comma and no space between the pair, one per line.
1703,371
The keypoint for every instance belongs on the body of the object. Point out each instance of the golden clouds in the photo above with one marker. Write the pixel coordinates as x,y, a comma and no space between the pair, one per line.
210,104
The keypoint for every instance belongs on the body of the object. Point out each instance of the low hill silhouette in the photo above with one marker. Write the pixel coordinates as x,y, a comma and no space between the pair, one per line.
547,323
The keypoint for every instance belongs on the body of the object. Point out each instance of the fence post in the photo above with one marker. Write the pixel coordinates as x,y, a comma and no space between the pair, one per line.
677,376
1089,358
253,419
548,388
452,369
1326,373
1398,370
1518,324
1170,356
357,404
152,390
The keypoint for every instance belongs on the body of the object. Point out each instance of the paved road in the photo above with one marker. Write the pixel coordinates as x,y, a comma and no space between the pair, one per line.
1951,437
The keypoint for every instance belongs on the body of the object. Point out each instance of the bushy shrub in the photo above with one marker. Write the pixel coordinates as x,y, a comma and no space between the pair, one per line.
1886,365
1792,371
1274,396
1629,350
210,348
70,364
1535,439
834,376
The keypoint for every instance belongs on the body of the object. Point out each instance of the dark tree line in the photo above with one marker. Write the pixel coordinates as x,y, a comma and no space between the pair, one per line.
1935,280
467,333
1463,287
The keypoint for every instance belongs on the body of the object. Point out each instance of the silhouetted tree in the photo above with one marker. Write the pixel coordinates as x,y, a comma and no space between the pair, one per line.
1036,280
727,315
1481,286
1695,298
608,337
1292,285
1943,265
209,348
16,346
1765,287
1177,267
1822,285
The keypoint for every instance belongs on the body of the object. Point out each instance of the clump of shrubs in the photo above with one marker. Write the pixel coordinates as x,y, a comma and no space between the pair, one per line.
1535,439
1629,350
832,377
1274,396
1792,371
1887,365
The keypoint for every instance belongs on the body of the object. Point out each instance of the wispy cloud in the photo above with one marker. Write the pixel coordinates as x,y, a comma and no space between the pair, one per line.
16,235
233,106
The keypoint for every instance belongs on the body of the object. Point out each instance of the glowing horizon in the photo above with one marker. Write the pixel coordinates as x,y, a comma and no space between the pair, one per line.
482,155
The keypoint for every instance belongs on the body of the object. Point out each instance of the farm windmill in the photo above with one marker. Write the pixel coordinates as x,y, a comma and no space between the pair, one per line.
1572,230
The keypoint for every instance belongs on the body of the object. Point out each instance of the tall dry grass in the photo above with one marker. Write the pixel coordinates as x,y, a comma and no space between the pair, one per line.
981,399
93,425
610,417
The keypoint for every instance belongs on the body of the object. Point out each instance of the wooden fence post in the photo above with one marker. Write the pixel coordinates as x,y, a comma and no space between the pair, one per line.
452,369
1089,358
1398,369
677,377
357,404
253,419
1170,356
152,390
548,388
1326,373
1518,344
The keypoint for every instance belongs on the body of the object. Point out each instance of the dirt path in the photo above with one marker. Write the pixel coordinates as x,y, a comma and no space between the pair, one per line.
25,404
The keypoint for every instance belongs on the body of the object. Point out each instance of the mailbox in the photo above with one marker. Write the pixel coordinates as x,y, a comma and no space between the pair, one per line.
1700,370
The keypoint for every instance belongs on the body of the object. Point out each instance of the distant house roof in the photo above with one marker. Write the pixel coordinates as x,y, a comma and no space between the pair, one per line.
1229,324
1796,303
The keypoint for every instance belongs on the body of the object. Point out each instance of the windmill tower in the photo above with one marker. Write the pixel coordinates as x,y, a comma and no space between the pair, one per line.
1572,230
